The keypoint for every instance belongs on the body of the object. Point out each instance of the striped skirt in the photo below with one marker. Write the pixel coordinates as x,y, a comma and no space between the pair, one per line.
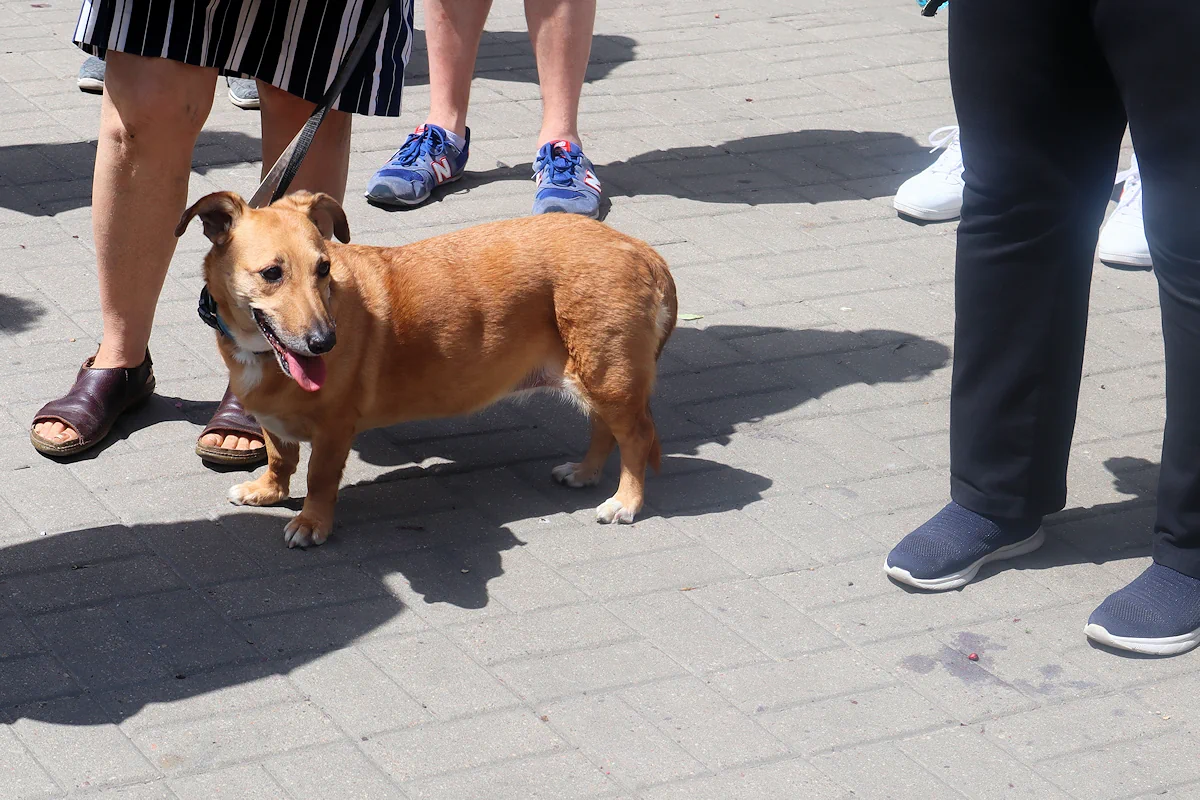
296,45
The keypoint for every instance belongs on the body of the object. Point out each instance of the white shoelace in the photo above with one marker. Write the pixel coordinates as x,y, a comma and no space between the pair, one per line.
1131,194
950,161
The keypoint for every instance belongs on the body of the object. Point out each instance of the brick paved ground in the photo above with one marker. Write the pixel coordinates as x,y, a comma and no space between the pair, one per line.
470,632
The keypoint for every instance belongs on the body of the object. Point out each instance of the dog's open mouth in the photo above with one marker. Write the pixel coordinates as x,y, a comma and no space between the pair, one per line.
307,371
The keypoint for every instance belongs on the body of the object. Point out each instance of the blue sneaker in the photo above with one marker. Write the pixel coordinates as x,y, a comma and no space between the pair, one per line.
1158,614
566,181
425,161
91,75
948,550
243,92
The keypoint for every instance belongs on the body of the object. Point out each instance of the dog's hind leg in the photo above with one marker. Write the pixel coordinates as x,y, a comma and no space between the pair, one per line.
587,472
636,437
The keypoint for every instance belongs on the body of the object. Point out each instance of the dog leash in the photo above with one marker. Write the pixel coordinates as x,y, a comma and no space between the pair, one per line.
287,165
280,177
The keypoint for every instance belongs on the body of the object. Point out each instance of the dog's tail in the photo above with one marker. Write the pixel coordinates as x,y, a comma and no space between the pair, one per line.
668,303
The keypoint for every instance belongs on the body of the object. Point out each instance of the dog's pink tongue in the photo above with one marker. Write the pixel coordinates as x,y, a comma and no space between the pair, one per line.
308,371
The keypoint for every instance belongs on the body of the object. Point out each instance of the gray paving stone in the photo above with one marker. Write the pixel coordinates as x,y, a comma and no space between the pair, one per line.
685,631
778,685
966,760
511,637
562,775
20,775
336,770
607,667
792,778
860,718
882,772
438,675
201,745
249,780
761,617
1127,768
612,734
73,741
703,723
1084,724
677,569
366,704
462,744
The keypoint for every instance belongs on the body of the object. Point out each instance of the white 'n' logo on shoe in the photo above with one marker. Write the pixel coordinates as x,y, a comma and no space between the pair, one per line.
441,169
590,180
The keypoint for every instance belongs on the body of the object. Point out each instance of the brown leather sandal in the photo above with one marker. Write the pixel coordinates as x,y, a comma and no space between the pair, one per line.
231,417
93,405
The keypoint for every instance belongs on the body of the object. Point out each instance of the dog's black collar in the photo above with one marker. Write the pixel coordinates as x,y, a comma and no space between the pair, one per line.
209,315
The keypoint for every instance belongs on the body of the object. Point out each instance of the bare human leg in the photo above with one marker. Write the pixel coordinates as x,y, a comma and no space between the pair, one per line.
151,114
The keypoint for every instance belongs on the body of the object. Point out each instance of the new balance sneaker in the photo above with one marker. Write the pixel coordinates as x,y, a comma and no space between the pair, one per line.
426,160
948,550
935,193
91,75
566,181
1158,614
1123,237
243,92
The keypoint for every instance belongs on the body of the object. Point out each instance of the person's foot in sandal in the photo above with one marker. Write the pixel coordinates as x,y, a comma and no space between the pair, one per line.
232,437
84,416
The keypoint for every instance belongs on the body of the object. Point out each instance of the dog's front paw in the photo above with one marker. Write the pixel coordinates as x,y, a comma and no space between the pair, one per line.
256,493
304,530
612,510
572,474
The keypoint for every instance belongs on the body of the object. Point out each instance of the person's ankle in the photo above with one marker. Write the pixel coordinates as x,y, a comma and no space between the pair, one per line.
558,135
453,123
108,357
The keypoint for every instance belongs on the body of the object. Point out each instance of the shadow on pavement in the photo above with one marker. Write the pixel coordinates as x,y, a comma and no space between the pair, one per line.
795,167
17,314
508,56
1101,533
130,615
54,167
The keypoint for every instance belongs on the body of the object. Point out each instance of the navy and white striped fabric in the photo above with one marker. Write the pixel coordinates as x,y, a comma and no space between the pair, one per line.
296,45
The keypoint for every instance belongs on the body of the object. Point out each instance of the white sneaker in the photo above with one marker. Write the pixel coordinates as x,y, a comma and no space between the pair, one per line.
935,193
1123,237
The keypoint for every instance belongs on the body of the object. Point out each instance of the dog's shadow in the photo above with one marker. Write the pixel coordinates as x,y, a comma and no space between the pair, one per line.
96,624
696,405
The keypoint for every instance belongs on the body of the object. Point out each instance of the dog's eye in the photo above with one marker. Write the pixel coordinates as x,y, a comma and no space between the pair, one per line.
322,269
272,274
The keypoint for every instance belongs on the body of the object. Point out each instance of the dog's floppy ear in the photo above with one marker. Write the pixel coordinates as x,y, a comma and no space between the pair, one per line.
219,211
325,212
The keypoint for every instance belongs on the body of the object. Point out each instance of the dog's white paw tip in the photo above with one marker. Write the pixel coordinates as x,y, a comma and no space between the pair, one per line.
569,475
302,534
236,494
611,510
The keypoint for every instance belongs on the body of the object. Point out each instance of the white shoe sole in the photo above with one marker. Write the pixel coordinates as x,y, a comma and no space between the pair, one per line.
1124,259
1166,646
965,576
925,214
396,201
242,102
91,85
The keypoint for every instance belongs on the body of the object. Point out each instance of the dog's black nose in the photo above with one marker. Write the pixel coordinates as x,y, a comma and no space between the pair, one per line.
321,341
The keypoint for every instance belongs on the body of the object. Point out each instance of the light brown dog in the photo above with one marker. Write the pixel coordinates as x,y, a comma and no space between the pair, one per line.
325,340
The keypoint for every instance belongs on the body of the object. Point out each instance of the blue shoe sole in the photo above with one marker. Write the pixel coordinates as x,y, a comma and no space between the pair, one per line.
953,580
397,202
560,210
